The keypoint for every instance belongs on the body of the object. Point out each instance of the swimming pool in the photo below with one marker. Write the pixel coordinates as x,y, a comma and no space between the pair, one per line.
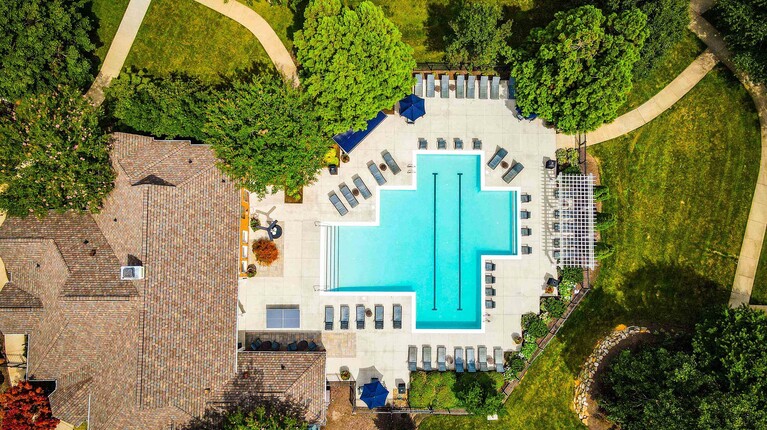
430,241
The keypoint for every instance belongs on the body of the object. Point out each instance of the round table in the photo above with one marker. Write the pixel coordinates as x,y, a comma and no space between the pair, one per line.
302,346
265,346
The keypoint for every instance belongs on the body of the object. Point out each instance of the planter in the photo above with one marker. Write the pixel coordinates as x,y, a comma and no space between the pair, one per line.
345,375
297,197
517,338
368,313
355,192
345,158
383,167
252,270
504,165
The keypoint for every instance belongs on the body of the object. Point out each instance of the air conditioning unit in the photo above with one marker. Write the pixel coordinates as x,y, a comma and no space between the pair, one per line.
131,273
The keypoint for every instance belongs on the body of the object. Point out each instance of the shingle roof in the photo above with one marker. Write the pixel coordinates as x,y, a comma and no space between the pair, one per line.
12,296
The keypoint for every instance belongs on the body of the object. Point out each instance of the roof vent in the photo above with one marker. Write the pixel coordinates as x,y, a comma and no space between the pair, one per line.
130,273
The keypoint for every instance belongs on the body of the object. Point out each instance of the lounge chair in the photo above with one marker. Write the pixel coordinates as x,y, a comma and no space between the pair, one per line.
525,198
526,231
441,144
512,83
498,358
348,195
476,144
360,317
457,143
483,87
426,357
458,355
489,279
344,317
379,317
489,292
441,352
393,166
429,85
499,155
418,90
512,172
471,363
379,177
293,346
397,316
360,184
460,86
422,143
495,91
471,86
489,266
329,317
526,250
444,83
489,304
524,214
482,358
337,203
412,358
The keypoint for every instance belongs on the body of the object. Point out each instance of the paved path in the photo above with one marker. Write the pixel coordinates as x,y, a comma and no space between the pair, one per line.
119,49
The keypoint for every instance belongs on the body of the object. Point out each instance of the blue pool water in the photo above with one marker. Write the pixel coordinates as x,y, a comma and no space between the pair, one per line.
430,241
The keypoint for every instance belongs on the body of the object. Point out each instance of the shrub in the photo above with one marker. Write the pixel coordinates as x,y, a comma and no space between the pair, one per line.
567,156
603,221
571,274
478,395
603,250
528,348
535,326
432,390
514,365
26,407
601,193
744,24
265,251
554,306
572,169
566,290
255,223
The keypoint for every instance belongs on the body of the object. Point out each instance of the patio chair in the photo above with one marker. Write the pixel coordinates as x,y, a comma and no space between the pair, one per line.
275,346
460,86
525,198
397,318
430,85
526,231
482,358
312,346
499,155
379,177
556,213
556,254
495,90
457,143
360,184
255,344
418,90
483,87
426,356
348,195
512,172
379,317
524,214
471,363
498,358
344,317
337,203
512,83
441,144
360,317
489,292
293,346
444,84
526,250
422,143
476,144
489,279
489,266
470,87
489,304
441,364
329,317
393,166
412,358
458,356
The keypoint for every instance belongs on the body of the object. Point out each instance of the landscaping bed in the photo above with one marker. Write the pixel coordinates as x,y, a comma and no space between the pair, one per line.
437,390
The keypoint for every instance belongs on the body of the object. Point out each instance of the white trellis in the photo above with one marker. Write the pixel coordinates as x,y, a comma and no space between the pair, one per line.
574,226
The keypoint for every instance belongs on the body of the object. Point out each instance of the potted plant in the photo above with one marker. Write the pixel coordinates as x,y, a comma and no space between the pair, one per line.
255,223
345,374
345,158
252,270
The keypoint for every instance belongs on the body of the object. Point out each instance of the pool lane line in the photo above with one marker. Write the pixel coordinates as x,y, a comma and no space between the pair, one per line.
434,266
459,241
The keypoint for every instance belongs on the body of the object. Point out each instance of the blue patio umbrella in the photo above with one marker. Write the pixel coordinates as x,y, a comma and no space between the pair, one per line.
412,107
374,394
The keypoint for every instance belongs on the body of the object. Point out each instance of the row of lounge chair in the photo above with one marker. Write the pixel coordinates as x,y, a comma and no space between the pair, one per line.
471,364
423,144
360,314
464,87
496,160
360,185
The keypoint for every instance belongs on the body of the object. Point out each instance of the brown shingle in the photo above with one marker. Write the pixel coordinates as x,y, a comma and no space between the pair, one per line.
12,296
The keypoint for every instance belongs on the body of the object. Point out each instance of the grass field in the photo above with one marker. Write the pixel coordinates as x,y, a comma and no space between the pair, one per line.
759,293
186,37
681,188
107,14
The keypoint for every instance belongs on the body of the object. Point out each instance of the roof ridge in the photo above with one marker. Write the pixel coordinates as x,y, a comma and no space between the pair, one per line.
179,144
306,369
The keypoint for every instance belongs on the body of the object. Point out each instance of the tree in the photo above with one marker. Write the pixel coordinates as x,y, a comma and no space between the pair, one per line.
53,155
478,395
25,407
717,380
266,135
744,23
43,44
354,62
667,22
172,107
479,35
577,71
603,221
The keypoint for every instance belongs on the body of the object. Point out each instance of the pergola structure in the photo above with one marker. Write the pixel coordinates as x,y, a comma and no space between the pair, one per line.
574,225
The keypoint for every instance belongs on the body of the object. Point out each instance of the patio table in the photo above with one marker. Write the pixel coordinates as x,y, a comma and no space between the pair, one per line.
265,346
303,345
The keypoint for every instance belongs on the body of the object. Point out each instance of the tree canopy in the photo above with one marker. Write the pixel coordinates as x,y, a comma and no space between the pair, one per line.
53,155
43,43
354,63
25,407
266,135
577,71
716,381
479,35
744,23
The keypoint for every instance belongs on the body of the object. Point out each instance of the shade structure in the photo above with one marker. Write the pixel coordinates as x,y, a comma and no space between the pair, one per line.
350,139
374,394
412,107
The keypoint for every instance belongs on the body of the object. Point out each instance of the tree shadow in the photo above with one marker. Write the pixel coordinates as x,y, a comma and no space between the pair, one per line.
438,20
539,15
86,10
394,422
298,7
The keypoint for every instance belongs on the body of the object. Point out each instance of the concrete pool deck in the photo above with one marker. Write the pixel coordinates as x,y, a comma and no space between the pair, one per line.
519,283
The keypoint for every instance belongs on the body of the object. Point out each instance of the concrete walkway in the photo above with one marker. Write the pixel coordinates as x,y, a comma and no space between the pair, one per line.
119,49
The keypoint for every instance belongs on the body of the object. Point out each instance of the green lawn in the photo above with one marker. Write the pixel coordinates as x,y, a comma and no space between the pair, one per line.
280,17
186,37
681,188
759,293
107,14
